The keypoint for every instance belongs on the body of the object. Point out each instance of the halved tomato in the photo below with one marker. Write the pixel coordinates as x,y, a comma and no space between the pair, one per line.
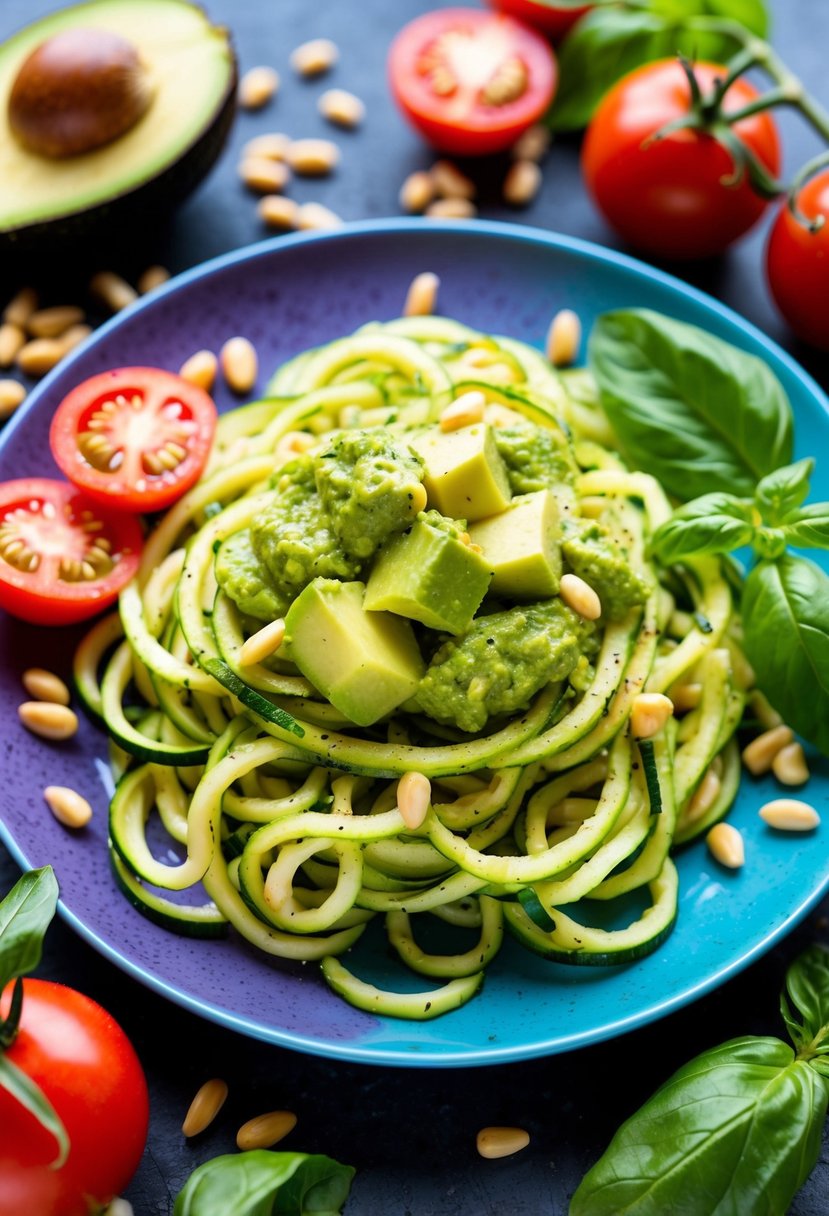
62,558
471,82
136,437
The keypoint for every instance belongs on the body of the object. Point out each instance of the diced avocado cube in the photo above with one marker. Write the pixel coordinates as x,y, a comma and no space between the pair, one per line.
521,546
365,663
430,576
465,476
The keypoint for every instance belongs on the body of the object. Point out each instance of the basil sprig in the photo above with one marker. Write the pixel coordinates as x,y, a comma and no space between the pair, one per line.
262,1183
738,1129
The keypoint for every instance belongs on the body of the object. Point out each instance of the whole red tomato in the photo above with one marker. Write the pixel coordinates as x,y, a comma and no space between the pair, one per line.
86,1067
672,197
554,20
797,264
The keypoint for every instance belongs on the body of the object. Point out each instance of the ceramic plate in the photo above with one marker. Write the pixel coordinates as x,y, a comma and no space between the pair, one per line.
286,295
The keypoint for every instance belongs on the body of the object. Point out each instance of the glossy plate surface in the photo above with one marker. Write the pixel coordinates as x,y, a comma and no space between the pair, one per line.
286,295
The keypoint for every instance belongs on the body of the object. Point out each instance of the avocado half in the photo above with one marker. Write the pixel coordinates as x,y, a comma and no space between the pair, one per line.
155,164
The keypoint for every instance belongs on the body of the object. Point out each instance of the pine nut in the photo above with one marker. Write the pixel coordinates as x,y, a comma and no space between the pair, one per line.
44,685
200,369
341,107
239,364
257,87
314,57
533,144
263,1131
789,815
277,211
449,182
152,278
419,500
464,411
52,322
422,296
313,157
312,216
650,712
764,712
522,183
580,596
686,696
68,806
451,209
73,337
563,338
416,192
494,1142
726,845
12,341
789,765
705,795
758,756
273,145
48,720
12,394
18,310
205,1106
262,644
264,176
414,793
112,290
40,355
120,1207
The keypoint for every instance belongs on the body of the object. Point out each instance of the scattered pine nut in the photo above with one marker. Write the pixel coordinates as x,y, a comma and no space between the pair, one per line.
419,501
263,1131
277,211
341,107
48,720
726,845
12,394
200,369
764,712
417,192
789,765
464,411
264,176
44,685
494,1142
650,712
205,1106
263,643
40,355
239,363
705,795
522,183
294,443
314,215
257,87
422,296
53,322
111,289
152,278
273,145
68,806
449,182
120,1207
312,157
73,337
451,209
12,341
789,815
533,144
314,57
580,596
414,793
758,756
563,338
686,696
18,310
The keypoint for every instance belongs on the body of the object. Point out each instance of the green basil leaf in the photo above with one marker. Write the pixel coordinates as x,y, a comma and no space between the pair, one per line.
738,1129
261,1183
808,528
807,983
783,490
25,915
693,410
715,523
786,621
753,14
32,1097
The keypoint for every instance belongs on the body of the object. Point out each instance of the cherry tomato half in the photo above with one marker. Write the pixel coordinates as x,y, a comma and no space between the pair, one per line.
136,438
85,1065
62,558
797,264
471,82
671,197
555,20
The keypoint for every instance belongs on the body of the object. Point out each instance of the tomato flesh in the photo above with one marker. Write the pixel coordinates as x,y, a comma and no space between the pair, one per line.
471,82
135,437
797,264
85,1065
555,22
62,558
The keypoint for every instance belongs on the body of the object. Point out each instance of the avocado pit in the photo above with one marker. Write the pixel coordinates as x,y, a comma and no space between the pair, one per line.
79,90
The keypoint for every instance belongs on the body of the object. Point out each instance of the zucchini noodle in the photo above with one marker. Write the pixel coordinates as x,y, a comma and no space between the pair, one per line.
542,824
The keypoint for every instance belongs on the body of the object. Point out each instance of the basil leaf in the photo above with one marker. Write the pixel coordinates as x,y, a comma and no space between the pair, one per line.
750,13
808,528
693,410
25,915
261,1183
32,1097
783,490
807,983
786,620
738,1129
715,523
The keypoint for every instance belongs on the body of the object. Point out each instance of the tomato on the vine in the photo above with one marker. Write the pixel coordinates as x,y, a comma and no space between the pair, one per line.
85,1065
679,195
471,82
797,263
554,19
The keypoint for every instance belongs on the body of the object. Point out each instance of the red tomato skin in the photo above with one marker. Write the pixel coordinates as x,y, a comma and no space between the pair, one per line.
86,1066
555,22
487,129
666,197
797,264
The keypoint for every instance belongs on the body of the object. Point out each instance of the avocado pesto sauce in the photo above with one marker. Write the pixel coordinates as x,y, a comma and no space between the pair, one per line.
435,582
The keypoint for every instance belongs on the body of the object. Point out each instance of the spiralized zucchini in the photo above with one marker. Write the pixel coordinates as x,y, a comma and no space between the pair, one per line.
287,813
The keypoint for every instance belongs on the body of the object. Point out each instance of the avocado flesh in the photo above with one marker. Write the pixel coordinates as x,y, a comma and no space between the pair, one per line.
192,71
465,478
522,547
